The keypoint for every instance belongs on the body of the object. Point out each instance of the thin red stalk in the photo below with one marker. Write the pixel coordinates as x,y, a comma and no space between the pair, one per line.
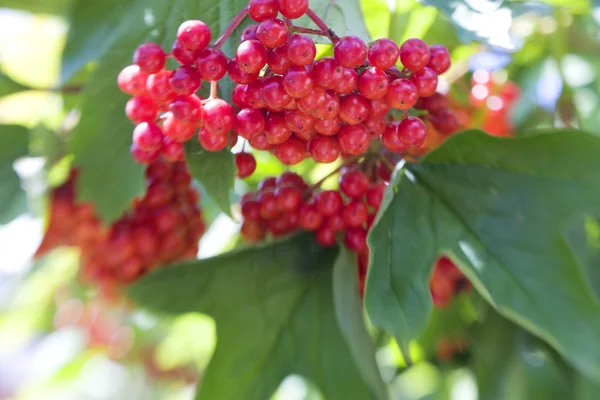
235,22
317,20
309,31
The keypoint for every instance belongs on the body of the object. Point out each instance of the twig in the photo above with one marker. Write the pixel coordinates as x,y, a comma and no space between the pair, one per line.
235,22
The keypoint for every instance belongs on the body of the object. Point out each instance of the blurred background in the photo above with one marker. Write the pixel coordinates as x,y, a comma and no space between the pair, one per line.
518,65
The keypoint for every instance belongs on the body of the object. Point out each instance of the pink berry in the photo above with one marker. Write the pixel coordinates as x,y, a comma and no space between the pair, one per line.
383,53
350,52
414,54
193,35
148,136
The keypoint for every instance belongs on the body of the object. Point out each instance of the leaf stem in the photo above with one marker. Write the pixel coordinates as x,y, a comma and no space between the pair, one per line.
322,25
235,22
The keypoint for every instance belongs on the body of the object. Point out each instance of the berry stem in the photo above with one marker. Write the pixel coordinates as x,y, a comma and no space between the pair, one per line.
396,72
322,25
309,31
213,90
235,22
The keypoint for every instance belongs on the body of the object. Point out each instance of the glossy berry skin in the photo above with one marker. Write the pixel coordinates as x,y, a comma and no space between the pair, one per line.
315,99
253,95
251,56
356,239
383,53
330,107
354,109
272,33
353,139
354,183
268,206
348,82
252,231
309,218
141,109
328,127
249,33
149,57
291,152
434,103
186,108
217,116
325,236
301,49
276,128
142,156
373,83
298,122
414,54
402,94
245,163
298,81
211,64
378,108
327,73
355,214
329,202
440,59
238,75
375,126
278,60
374,195
391,140
172,150
288,198
185,80
159,88
148,136
177,130
350,51
193,35
182,55
211,141
292,9
324,149
259,10
249,122
132,80
445,122
412,131
426,81
274,93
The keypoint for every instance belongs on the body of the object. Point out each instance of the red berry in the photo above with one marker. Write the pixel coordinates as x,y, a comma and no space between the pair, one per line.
384,172
172,150
238,96
383,53
325,236
182,55
269,208
414,54
314,99
378,108
355,214
132,80
348,82
252,231
239,76
445,122
391,140
141,109
327,73
292,9
309,218
353,139
276,128
328,127
177,130
278,60
330,108
291,179
267,184
186,108
350,52
212,141
212,64
440,59
434,103
426,81
412,131
297,81
249,122
158,86
354,109
289,198
149,57
301,49
272,33
375,126
329,202
307,136
259,10
249,33
193,35
335,222
356,239
245,163
402,94
297,121
251,56
354,183
143,156
324,149
274,93
148,136
250,208
260,142
217,116
373,83
253,95
185,80
374,195
291,152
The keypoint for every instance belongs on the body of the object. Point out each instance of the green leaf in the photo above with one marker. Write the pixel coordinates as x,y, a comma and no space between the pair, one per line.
13,144
39,7
109,31
275,316
8,86
214,170
499,208
349,314
344,17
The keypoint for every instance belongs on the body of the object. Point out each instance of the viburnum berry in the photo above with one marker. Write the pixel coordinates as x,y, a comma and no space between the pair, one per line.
245,163
355,213
249,33
217,116
211,64
391,140
249,122
297,121
186,108
276,128
375,126
132,80
324,149
315,99
350,51
150,57
259,10
354,183
328,127
141,109
335,222
426,81
297,81
414,54
176,129
354,109
291,152
301,50
272,33
330,107
238,75
185,80
378,108
253,95
325,236
327,73
412,131
148,136
373,83
440,59
172,150
193,35
348,82
383,53
353,139
288,198
329,202
251,56
309,218
159,88
402,94
444,121
356,239
278,60
434,103
274,93
292,9
260,142
212,141
182,55
143,156
374,195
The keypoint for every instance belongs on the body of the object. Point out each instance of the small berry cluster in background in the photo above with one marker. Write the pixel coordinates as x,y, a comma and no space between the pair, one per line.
446,282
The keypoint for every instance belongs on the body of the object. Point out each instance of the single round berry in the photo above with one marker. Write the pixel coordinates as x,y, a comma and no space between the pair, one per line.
217,116
193,35
354,183
350,52
177,130
291,152
348,82
414,54
375,126
325,236
186,108
391,140
212,141
355,214
374,195
426,81
307,135
327,73
182,55
251,56
268,206
249,122
272,33
335,222
402,94
259,10
309,218
356,239
238,96
239,76
185,80
212,64
292,9
252,231
383,53
354,109
289,178
324,149
148,136
245,163
159,88
141,109
434,103
329,202
278,60
276,128
445,122
274,93
298,122
250,207
378,108
328,127
298,81
330,107
373,83
132,80
249,33
288,197
268,183
172,150
143,156
412,131
260,142
253,95
301,49
150,57
315,99
353,139
440,59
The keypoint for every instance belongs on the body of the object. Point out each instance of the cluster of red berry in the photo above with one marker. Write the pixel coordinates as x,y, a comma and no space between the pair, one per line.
163,226
446,282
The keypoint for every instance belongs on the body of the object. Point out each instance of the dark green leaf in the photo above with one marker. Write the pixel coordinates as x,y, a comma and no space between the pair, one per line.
215,171
275,316
349,313
499,208
13,144
8,86
344,17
